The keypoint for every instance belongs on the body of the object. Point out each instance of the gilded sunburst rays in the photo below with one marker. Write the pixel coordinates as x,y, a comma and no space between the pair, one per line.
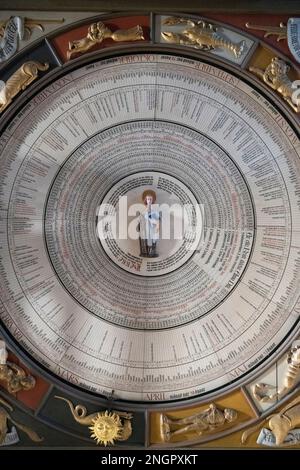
106,428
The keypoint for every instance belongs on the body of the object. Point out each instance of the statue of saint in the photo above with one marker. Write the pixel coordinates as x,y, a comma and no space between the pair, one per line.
148,226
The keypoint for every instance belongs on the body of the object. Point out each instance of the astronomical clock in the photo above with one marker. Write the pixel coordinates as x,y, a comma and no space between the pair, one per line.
150,226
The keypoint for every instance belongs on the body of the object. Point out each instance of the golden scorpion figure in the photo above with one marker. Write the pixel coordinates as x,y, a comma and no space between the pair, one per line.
201,35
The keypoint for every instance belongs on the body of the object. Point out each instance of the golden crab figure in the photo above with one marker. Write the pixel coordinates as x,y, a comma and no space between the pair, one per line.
106,428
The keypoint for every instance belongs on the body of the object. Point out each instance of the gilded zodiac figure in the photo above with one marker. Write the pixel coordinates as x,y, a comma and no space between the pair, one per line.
20,80
98,32
13,375
16,378
105,426
204,421
201,35
275,76
280,423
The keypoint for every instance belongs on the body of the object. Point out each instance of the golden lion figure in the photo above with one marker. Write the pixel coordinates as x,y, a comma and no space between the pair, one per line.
20,80
97,32
275,76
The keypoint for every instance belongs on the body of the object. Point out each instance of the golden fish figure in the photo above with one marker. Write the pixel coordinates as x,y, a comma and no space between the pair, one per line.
275,75
280,423
105,426
201,35
98,32
20,80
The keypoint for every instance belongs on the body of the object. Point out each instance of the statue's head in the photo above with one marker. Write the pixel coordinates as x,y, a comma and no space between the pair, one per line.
149,197
278,66
96,31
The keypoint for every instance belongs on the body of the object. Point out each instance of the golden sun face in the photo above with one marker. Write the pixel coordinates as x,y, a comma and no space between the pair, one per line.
106,428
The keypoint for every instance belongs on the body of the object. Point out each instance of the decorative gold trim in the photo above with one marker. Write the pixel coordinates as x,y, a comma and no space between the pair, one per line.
280,31
16,378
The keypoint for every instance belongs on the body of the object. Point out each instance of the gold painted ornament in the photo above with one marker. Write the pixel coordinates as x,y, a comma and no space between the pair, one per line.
19,81
201,35
279,31
275,75
12,375
200,423
98,32
106,426
280,423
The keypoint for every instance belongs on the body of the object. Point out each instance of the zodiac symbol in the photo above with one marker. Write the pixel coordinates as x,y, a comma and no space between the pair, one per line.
98,32
201,35
20,80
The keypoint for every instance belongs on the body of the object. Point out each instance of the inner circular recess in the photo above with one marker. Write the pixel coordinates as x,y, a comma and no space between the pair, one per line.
174,285
149,223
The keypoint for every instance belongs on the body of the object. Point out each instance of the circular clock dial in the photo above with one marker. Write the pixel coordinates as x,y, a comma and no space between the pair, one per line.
100,171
